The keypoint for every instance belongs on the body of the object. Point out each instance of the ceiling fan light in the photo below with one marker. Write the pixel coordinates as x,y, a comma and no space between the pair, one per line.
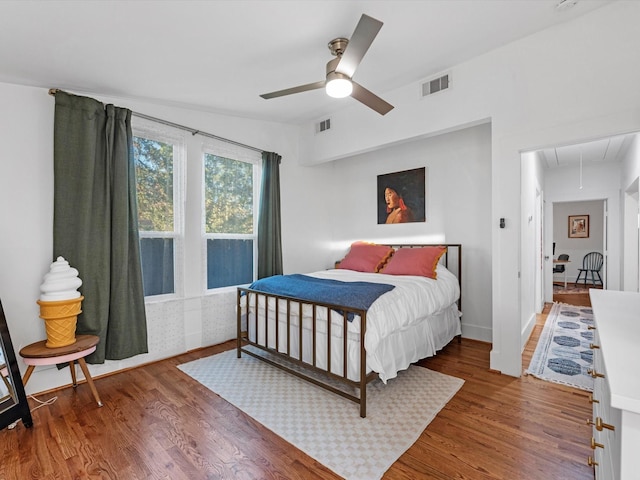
339,87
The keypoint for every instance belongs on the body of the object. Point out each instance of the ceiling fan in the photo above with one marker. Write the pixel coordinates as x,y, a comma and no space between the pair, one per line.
340,70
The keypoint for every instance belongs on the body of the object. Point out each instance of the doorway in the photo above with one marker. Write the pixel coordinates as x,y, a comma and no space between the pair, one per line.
583,173
593,217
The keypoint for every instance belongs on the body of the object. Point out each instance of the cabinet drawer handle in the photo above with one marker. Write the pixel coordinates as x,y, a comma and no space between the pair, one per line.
599,424
595,444
591,462
593,400
593,346
594,374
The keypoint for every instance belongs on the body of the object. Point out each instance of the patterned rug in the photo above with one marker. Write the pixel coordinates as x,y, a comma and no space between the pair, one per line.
324,425
563,354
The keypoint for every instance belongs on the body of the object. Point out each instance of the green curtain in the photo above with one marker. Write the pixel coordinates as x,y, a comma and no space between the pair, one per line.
269,231
95,224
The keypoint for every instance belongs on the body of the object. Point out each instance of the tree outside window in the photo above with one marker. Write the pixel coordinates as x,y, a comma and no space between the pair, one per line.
229,192
154,161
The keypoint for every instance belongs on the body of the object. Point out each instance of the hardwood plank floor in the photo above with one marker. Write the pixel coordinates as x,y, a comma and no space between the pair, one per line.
158,423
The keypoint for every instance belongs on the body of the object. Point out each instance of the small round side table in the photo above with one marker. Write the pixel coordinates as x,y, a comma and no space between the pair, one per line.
38,354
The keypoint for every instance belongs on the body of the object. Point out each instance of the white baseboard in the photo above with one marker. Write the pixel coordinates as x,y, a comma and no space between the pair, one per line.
476,332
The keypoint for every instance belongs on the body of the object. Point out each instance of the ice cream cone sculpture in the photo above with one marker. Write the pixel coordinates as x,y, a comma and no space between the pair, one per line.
60,303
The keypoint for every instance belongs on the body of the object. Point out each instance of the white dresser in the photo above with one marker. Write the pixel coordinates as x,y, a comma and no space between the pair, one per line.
616,396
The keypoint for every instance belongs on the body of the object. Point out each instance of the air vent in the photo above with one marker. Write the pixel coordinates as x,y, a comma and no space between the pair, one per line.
323,126
435,85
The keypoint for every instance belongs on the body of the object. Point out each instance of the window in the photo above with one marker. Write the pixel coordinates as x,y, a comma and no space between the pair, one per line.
231,191
158,157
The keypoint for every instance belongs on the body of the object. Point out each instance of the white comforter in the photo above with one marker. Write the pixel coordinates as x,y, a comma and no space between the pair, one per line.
412,321
412,300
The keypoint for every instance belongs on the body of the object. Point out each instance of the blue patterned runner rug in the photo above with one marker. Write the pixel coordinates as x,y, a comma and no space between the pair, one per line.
563,354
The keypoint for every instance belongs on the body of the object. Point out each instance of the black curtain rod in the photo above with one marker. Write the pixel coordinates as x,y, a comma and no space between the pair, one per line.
193,131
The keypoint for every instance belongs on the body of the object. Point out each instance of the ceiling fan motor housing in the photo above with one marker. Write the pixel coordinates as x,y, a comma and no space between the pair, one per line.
331,69
337,46
338,85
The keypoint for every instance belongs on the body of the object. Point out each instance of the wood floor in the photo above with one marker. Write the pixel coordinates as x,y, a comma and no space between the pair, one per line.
158,423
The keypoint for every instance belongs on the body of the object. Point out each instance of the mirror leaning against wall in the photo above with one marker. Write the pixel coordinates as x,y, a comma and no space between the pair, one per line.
13,401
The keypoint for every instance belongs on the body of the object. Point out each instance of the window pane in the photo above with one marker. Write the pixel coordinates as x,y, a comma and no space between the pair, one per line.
229,262
228,195
157,265
154,177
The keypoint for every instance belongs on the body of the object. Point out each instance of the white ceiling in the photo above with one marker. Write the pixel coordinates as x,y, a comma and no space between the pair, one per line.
590,153
220,55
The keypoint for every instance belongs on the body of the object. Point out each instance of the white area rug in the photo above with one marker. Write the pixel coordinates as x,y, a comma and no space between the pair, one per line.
563,354
324,425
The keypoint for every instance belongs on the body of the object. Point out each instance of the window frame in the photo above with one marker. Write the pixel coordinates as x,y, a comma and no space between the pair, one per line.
236,153
165,134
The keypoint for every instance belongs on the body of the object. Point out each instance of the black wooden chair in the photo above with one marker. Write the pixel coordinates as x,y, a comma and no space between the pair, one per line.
591,264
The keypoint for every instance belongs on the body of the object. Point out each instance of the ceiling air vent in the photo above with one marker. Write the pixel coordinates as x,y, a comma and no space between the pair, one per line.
323,125
435,85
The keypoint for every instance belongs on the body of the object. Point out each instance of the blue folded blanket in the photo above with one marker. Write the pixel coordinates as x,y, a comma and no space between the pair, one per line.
348,294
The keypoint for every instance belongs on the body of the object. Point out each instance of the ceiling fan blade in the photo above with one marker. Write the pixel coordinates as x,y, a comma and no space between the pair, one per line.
370,99
359,43
298,89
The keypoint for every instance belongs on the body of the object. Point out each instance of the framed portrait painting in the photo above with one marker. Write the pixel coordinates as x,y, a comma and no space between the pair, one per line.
401,197
578,226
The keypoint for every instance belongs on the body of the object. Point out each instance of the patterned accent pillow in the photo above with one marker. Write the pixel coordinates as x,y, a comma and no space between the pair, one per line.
415,261
366,257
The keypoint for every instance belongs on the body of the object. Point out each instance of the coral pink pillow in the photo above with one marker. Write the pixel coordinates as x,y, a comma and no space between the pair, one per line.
366,257
415,261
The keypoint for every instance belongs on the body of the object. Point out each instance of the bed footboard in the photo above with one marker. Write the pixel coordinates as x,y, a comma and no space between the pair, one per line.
316,341
311,340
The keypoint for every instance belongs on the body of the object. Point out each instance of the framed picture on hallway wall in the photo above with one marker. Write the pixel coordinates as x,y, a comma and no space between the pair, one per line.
578,226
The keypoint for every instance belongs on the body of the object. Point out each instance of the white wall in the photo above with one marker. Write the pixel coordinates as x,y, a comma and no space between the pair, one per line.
630,169
26,209
551,88
26,215
630,181
532,193
458,208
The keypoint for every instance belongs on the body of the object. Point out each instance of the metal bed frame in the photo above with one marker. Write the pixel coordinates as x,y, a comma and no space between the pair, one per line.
285,361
